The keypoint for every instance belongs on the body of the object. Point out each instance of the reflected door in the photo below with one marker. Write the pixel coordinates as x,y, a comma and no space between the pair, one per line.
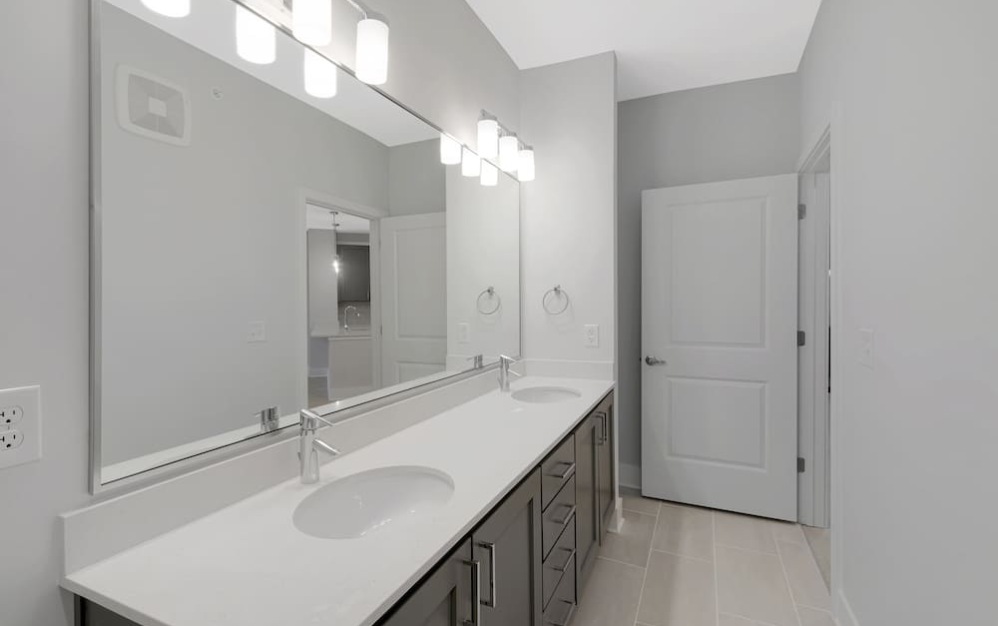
719,334
413,296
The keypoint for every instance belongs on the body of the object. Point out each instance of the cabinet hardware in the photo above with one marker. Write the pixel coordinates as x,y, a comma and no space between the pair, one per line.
476,594
491,547
601,437
567,614
568,560
569,470
568,517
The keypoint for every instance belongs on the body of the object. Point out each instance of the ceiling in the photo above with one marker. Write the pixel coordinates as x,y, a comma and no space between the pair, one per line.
661,45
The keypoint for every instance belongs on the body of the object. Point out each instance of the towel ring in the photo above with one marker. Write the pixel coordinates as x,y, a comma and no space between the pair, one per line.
492,295
558,292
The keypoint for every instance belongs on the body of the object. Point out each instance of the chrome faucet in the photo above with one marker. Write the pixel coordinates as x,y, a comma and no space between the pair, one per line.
309,446
478,361
504,372
346,316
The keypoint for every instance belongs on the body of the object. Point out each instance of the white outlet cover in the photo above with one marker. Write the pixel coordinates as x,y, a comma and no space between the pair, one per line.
463,333
256,332
867,354
29,425
592,335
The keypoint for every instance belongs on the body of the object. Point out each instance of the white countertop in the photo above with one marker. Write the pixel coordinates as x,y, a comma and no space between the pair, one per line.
247,565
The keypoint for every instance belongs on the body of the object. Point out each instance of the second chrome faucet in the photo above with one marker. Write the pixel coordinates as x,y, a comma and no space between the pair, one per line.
505,372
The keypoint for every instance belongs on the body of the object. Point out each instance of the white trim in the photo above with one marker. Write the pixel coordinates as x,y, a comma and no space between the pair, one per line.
630,476
843,610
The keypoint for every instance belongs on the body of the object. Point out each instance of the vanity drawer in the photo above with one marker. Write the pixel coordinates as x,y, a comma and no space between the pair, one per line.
558,515
560,561
559,611
557,469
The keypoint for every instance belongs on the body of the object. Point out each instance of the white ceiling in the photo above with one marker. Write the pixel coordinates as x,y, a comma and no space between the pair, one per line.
661,45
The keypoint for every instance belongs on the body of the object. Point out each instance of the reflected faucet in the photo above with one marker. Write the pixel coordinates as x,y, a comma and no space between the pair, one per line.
346,316
504,372
309,446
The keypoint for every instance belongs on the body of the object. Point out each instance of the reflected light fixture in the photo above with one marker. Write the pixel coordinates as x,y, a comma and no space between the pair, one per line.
320,75
490,175
336,263
312,22
488,136
169,8
256,38
509,152
471,164
526,171
372,50
450,150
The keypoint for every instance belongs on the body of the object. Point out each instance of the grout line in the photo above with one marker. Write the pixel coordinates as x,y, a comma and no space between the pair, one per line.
754,621
717,591
786,579
743,549
609,560
686,556
644,580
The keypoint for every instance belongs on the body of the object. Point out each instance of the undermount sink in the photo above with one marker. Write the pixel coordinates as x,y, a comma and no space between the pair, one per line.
367,502
542,395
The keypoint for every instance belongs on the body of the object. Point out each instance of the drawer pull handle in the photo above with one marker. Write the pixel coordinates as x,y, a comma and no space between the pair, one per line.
569,470
476,594
491,547
565,520
566,616
568,560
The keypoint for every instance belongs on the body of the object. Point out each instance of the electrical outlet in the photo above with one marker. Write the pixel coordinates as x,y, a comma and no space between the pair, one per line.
10,415
463,333
866,347
20,426
256,332
10,439
592,335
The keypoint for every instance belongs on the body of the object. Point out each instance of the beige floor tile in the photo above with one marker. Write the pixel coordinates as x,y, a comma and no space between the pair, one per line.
678,591
641,504
785,531
752,584
632,543
805,580
742,531
733,620
611,596
820,540
814,617
685,531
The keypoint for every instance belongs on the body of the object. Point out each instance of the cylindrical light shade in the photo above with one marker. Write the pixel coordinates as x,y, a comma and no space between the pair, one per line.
450,150
312,22
256,39
471,164
488,138
320,75
372,51
509,152
526,172
490,175
169,8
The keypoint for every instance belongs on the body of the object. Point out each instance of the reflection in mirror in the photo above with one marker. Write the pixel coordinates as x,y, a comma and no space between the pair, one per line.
260,249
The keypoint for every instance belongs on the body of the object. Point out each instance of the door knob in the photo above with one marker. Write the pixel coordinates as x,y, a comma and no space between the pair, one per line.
650,360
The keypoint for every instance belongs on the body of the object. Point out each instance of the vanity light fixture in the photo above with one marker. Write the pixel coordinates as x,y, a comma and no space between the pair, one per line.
526,170
320,75
471,164
488,136
490,175
169,8
336,263
450,150
312,22
372,50
509,152
256,38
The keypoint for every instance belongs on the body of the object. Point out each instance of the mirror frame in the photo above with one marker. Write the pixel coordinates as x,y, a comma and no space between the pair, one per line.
209,456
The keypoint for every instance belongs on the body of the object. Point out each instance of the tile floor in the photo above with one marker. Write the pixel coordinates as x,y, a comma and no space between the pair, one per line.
674,565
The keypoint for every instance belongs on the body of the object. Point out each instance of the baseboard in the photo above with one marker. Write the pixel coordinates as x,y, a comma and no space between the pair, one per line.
318,372
630,476
843,610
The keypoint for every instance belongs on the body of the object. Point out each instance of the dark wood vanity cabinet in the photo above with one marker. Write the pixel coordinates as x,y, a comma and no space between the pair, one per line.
594,444
444,598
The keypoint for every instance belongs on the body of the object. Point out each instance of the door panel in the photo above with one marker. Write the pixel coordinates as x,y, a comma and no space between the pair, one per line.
587,515
607,480
442,599
719,306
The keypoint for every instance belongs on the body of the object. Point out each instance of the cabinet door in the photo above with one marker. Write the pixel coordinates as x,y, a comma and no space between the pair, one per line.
508,546
587,522
606,469
444,598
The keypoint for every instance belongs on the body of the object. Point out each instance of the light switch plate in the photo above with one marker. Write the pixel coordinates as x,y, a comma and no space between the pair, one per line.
25,435
463,333
866,347
592,335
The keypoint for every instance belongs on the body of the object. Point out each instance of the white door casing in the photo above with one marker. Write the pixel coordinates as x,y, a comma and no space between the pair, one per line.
413,296
719,309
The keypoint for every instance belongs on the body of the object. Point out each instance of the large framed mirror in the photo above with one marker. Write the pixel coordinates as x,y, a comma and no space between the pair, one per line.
260,247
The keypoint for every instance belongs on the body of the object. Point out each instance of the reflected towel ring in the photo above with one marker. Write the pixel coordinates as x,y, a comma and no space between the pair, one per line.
559,293
491,293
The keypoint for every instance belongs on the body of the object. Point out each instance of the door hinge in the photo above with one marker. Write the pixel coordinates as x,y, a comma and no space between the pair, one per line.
801,465
801,211
801,338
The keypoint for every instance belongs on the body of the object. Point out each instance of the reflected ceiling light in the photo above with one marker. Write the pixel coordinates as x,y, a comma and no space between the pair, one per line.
488,136
526,171
509,152
372,51
320,75
256,39
471,164
490,175
169,8
450,150
312,22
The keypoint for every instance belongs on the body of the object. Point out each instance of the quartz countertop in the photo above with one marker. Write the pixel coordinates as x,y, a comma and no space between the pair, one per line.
248,565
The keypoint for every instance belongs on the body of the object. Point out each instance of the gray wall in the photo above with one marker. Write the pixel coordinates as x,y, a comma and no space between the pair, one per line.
740,130
416,181
913,167
44,234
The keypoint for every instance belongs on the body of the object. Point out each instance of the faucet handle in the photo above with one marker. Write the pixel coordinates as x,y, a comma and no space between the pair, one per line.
309,420
507,360
479,361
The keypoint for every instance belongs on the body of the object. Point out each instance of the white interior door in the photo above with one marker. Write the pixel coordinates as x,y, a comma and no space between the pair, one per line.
719,334
413,297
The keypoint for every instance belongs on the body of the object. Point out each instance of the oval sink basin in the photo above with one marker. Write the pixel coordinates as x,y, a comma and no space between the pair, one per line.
541,395
367,502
